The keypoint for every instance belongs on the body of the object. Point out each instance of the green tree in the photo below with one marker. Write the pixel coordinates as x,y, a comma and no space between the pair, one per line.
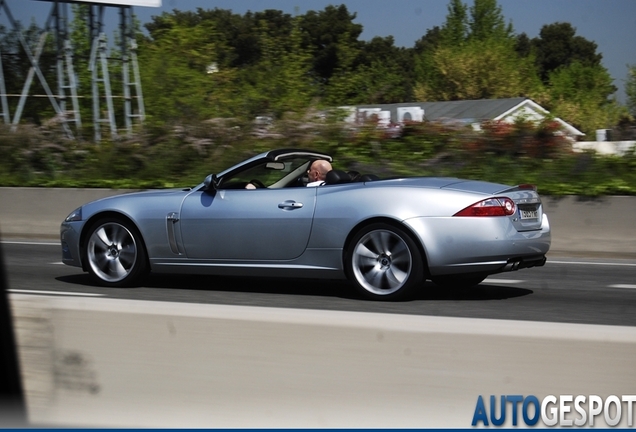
423,64
343,86
280,82
392,70
242,35
487,22
327,34
558,45
523,45
484,65
175,71
455,29
371,72
479,70
578,88
294,72
630,89
376,83
580,94
238,37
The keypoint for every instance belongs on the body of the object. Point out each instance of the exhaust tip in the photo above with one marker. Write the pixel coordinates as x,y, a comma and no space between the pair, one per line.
521,263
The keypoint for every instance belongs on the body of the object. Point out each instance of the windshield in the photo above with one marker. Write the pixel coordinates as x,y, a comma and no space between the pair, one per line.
270,174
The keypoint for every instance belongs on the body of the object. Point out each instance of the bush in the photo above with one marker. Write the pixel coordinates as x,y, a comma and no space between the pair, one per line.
181,155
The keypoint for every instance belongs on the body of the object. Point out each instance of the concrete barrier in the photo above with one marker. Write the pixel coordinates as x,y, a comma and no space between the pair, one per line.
36,213
601,226
100,362
580,226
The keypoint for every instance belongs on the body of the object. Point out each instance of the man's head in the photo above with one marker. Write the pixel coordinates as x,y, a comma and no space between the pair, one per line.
318,170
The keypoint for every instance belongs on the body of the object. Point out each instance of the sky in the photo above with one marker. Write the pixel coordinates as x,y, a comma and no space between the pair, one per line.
611,24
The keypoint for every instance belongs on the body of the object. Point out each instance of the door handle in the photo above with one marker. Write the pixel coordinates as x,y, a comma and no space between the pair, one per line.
290,205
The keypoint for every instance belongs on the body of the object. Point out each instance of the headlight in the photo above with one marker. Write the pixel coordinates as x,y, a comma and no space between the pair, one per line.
76,215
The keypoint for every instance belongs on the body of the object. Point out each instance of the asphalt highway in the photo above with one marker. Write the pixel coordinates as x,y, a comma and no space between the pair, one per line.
565,290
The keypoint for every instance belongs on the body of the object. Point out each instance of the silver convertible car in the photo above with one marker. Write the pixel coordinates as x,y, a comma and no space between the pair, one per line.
386,236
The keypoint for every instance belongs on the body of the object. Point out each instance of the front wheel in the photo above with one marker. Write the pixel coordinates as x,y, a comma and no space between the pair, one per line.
115,253
383,262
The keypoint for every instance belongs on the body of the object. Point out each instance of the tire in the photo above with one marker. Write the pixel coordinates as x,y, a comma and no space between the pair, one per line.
115,253
383,262
458,282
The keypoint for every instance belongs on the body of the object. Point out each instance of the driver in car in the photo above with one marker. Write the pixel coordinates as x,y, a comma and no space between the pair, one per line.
317,172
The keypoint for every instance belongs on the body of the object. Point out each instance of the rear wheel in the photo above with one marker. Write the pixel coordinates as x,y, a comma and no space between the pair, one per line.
115,253
383,262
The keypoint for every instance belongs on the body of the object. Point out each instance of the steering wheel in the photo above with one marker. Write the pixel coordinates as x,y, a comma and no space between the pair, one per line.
257,183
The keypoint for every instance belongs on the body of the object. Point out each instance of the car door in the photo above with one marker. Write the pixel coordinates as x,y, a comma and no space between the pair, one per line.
242,224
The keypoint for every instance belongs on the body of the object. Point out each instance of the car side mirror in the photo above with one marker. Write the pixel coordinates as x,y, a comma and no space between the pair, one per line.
211,182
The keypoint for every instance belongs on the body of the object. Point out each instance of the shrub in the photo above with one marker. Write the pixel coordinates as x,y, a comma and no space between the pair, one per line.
181,155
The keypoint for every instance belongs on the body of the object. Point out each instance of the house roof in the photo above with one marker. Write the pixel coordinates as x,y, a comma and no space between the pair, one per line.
472,111
467,110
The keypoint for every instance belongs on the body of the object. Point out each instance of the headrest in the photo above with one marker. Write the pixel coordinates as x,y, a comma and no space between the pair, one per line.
337,177
355,175
368,178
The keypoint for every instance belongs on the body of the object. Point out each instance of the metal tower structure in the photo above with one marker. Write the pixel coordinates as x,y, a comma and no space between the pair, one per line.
129,59
67,85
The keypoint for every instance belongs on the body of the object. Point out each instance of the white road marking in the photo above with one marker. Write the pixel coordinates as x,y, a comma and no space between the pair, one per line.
592,263
627,286
503,281
30,243
61,293
57,263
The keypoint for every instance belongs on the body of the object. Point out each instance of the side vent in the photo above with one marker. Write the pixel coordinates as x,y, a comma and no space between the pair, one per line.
171,220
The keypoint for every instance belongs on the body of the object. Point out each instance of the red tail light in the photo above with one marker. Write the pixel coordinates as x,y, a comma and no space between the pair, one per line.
490,207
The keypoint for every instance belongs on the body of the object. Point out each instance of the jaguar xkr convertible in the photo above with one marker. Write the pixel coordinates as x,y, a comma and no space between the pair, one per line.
386,236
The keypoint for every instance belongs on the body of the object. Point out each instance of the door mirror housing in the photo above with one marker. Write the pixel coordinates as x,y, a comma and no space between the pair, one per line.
211,182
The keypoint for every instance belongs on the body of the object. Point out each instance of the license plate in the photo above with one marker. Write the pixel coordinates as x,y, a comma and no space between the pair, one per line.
529,214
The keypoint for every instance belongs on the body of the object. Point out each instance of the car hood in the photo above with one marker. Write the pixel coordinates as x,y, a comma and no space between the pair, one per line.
145,193
128,203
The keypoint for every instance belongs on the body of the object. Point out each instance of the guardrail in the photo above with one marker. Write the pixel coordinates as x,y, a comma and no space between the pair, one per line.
602,226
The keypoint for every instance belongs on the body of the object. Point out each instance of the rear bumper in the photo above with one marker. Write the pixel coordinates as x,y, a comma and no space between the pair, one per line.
480,245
